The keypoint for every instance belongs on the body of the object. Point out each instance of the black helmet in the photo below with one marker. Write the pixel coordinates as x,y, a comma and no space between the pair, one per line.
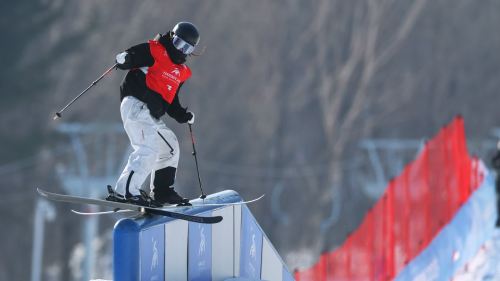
187,32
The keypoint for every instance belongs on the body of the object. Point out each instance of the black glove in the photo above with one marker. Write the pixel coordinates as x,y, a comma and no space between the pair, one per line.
123,61
184,117
191,120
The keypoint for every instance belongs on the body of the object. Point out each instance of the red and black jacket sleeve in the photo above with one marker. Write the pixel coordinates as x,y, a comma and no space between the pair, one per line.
176,111
137,56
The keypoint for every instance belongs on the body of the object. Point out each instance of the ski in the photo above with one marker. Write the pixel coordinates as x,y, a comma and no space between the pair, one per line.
126,206
194,204
116,211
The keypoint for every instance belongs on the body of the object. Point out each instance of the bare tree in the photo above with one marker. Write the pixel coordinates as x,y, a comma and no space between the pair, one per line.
366,34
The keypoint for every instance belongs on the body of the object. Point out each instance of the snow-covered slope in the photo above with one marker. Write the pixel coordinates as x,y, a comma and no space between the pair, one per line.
485,265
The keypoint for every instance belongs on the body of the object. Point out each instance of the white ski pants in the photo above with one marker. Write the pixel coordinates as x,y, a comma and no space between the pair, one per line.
155,146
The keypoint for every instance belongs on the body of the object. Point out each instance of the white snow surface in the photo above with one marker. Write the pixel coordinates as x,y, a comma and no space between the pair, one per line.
485,265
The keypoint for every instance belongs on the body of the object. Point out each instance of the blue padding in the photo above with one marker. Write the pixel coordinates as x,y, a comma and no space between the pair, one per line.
458,241
251,246
200,252
152,253
126,250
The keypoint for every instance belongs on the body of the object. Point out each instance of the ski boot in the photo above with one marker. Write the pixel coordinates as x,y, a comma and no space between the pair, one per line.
115,196
168,196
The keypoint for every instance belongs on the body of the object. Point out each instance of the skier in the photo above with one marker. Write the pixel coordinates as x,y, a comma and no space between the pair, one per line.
150,89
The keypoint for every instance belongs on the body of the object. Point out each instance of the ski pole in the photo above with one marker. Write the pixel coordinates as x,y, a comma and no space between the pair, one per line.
59,113
203,195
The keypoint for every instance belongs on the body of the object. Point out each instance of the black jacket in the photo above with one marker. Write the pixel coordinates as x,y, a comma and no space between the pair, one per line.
134,83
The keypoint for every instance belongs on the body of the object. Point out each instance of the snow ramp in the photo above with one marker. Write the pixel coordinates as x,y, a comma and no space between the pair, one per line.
156,248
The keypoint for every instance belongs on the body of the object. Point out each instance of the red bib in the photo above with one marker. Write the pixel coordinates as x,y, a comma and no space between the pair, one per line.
164,77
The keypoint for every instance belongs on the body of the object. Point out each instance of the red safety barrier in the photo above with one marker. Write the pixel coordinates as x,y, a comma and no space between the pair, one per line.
410,213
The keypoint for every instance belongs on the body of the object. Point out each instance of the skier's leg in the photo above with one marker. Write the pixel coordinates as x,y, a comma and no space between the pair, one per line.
141,131
163,173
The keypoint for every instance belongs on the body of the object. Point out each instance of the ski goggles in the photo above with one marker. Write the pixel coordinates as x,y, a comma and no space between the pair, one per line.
182,45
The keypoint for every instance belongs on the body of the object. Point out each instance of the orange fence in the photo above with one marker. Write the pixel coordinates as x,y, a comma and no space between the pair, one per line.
412,210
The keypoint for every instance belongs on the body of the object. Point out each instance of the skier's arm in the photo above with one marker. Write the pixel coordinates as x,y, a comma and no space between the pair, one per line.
176,111
135,57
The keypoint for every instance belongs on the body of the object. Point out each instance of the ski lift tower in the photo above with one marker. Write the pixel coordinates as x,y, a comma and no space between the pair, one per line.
94,164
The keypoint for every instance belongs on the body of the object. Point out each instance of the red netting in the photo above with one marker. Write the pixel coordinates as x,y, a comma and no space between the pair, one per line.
414,207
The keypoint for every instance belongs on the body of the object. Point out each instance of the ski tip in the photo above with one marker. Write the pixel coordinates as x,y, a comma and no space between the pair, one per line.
78,212
215,219
41,192
253,200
